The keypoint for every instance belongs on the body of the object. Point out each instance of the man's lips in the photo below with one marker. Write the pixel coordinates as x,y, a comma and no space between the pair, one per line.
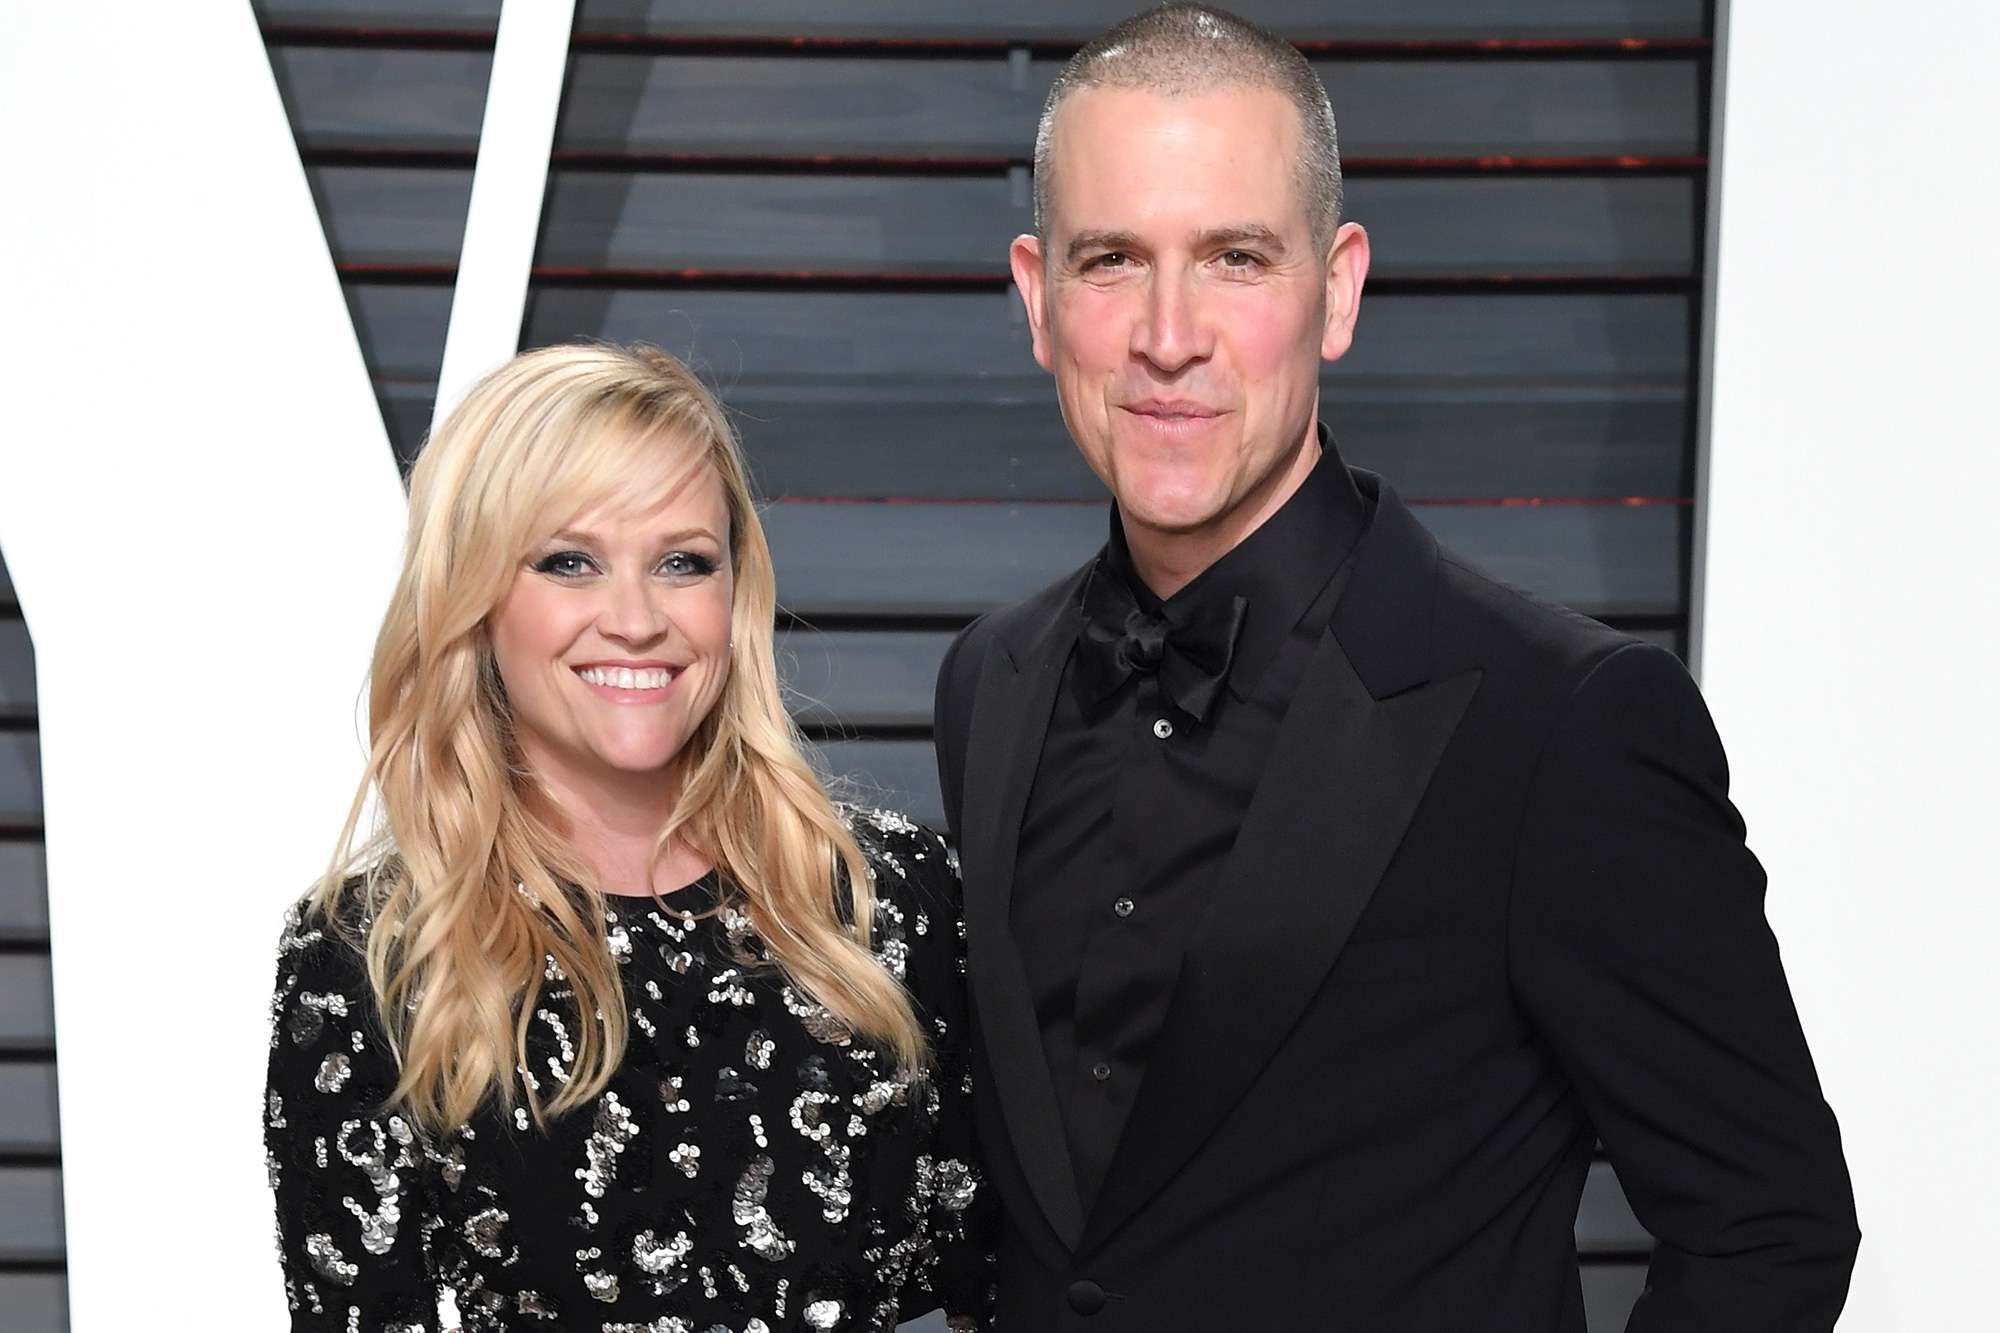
1172,409
1172,422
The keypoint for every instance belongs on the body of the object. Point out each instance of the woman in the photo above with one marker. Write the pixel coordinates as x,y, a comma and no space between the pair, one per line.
614,1023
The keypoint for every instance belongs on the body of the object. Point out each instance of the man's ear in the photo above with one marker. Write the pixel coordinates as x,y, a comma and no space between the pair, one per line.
1025,255
1346,271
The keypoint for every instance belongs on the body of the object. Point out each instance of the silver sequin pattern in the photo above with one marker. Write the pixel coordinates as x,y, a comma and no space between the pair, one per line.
754,1165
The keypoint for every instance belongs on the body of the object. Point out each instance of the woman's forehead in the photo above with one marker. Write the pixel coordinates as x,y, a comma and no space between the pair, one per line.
692,498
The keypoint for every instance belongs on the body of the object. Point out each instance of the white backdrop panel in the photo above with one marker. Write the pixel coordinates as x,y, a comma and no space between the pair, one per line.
1846,618
202,519
503,218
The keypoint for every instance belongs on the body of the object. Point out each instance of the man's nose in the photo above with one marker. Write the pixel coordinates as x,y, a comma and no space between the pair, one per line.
1170,332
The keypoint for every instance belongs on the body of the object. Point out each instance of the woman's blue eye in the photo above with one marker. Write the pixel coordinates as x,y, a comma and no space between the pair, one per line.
565,564
687,564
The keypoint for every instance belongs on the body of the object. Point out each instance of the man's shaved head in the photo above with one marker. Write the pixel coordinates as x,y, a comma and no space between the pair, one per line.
1178,50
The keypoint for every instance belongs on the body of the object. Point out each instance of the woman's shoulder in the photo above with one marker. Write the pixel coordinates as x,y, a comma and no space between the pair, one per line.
326,1035
322,944
905,854
915,882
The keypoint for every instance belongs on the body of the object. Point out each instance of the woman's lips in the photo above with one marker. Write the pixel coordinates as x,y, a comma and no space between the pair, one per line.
621,683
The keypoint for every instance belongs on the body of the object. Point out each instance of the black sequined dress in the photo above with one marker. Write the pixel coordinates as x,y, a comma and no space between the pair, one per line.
748,1169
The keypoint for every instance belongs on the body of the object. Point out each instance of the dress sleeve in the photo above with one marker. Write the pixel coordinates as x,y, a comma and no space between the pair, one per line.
349,1176
957,1215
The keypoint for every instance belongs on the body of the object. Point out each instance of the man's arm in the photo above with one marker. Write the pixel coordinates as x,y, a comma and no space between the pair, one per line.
1639,947
947,718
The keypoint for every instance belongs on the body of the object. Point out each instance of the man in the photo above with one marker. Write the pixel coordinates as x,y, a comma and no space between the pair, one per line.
1327,900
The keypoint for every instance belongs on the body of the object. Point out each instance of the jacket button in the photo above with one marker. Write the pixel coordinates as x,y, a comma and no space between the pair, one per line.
1086,1297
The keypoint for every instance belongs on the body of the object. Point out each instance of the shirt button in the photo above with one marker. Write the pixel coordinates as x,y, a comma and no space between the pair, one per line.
1101,1072
1163,728
1123,906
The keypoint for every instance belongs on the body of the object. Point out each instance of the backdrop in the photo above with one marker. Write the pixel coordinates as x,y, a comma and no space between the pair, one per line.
1845,615
202,519
200,511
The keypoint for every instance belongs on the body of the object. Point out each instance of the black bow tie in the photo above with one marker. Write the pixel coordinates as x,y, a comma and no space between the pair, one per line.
1121,637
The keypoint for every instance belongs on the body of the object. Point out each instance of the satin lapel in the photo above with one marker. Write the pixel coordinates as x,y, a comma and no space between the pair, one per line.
1010,717
1330,810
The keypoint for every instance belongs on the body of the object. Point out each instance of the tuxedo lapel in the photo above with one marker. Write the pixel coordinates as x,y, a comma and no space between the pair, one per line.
1350,765
1010,717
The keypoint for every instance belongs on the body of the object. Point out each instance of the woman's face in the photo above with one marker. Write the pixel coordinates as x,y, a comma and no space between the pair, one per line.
613,641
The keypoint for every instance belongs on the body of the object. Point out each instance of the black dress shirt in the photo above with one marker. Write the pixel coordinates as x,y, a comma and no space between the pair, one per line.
1135,806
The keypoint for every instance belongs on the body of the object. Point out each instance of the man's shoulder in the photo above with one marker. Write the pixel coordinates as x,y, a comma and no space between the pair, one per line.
1513,635
1018,623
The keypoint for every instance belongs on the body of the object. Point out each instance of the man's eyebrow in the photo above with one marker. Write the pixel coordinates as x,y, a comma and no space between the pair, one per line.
1249,233
1084,242
1215,238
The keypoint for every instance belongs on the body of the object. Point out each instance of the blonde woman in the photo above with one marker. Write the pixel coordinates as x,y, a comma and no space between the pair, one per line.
616,1023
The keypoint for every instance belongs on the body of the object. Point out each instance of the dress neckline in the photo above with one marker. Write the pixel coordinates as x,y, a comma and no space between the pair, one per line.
699,893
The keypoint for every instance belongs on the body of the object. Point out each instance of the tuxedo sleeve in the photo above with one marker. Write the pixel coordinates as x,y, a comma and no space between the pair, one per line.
1639,947
948,725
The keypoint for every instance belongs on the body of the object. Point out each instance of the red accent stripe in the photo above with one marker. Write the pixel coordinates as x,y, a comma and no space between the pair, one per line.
592,160
1530,163
358,155
1521,163
429,275
1459,502
1557,501
1460,48
991,280
572,159
375,35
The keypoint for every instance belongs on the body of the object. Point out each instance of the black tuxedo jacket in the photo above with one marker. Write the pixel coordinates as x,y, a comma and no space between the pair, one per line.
1490,903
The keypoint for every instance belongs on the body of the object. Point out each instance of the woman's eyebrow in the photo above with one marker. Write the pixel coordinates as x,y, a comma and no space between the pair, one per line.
661,539
673,538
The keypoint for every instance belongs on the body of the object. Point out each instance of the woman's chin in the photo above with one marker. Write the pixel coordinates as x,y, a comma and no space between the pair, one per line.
631,760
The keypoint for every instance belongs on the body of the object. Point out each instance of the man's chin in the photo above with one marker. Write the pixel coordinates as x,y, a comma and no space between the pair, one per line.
1180,518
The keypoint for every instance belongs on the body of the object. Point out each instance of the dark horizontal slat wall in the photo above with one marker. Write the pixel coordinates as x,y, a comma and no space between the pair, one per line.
810,201
1075,20
1022,20
1473,227
32,1290
956,107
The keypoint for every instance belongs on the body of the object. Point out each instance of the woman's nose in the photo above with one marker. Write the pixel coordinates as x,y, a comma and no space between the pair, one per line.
632,611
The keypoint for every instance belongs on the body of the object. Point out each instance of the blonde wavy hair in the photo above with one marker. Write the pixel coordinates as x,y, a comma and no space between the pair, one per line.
468,879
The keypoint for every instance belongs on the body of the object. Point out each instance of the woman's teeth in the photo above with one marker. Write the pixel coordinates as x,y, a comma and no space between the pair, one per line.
625,678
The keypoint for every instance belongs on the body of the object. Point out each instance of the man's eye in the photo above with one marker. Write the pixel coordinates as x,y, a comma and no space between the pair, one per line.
1239,259
687,564
565,564
1111,260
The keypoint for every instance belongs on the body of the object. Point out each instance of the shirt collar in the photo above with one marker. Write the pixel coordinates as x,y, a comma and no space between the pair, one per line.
1279,569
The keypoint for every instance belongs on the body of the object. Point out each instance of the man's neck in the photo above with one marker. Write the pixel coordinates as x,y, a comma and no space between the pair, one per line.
1168,561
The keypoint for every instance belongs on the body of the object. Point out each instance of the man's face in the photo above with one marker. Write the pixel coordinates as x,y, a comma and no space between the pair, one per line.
1180,301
